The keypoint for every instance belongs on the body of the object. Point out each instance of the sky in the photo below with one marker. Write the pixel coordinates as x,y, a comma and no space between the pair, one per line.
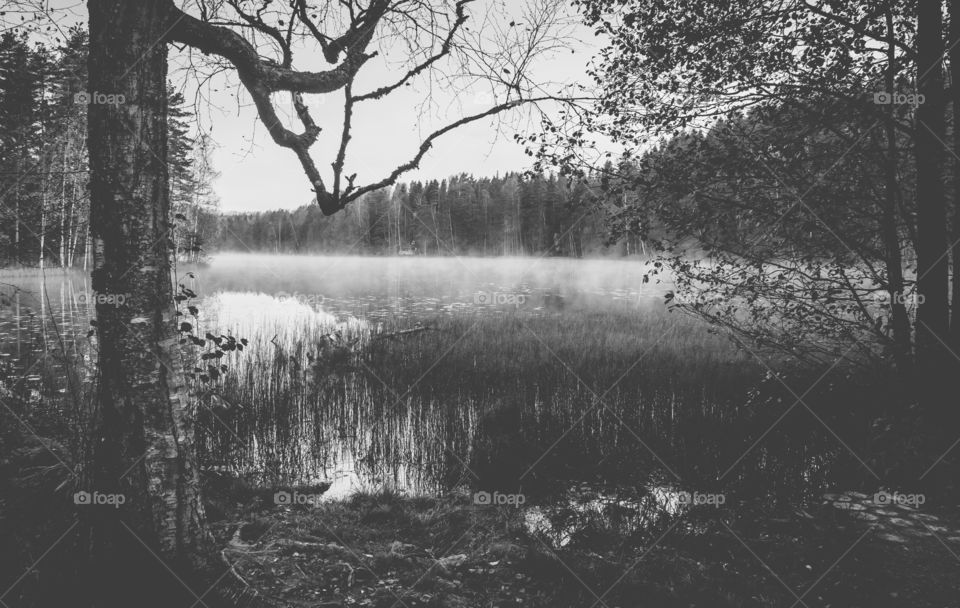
256,175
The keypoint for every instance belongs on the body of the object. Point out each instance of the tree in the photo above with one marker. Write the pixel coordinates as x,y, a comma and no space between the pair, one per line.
66,173
145,435
20,128
814,295
934,360
678,70
144,438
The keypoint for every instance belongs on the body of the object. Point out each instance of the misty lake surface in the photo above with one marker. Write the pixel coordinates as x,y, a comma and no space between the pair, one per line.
376,287
540,377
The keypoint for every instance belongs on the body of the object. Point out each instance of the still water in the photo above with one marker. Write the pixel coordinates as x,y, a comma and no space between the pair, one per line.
564,381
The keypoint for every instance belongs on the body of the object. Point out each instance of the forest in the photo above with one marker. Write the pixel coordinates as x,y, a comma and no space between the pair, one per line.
44,165
274,332
511,215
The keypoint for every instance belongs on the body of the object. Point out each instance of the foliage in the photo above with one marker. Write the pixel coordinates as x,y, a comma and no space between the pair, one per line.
780,193
754,245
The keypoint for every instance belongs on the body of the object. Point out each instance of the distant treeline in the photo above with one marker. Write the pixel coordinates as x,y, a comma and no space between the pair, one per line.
461,215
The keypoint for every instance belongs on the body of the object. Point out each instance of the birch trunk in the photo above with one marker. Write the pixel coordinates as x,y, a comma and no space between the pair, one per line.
144,442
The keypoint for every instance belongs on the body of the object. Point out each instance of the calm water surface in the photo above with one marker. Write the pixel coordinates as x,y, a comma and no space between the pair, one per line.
326,434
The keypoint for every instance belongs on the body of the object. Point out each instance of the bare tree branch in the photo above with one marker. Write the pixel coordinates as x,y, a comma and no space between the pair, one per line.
429,36
416,70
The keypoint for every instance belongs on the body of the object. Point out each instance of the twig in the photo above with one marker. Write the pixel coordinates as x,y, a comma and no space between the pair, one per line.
233,571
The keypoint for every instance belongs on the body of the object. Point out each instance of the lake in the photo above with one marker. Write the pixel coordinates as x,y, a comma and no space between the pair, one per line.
567,382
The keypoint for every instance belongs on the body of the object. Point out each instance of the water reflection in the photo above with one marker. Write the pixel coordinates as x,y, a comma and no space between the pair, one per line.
396,287
285,318
44,349
321,395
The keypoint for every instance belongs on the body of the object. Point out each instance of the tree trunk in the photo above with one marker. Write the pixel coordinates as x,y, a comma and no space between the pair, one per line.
955,237
899,320
144,442
75,226
932,248
16,218
64,208
43,211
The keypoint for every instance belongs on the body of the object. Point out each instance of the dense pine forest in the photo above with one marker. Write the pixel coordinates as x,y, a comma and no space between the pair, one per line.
44,164
464,215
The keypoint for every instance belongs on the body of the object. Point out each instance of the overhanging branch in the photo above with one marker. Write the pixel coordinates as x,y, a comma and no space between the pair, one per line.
262,77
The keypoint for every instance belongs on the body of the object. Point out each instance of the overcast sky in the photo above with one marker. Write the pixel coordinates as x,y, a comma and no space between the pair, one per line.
256,174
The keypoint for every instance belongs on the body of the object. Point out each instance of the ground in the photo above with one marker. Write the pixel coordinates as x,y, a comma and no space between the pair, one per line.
388,550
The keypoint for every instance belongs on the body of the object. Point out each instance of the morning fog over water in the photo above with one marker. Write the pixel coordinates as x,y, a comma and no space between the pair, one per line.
426,374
